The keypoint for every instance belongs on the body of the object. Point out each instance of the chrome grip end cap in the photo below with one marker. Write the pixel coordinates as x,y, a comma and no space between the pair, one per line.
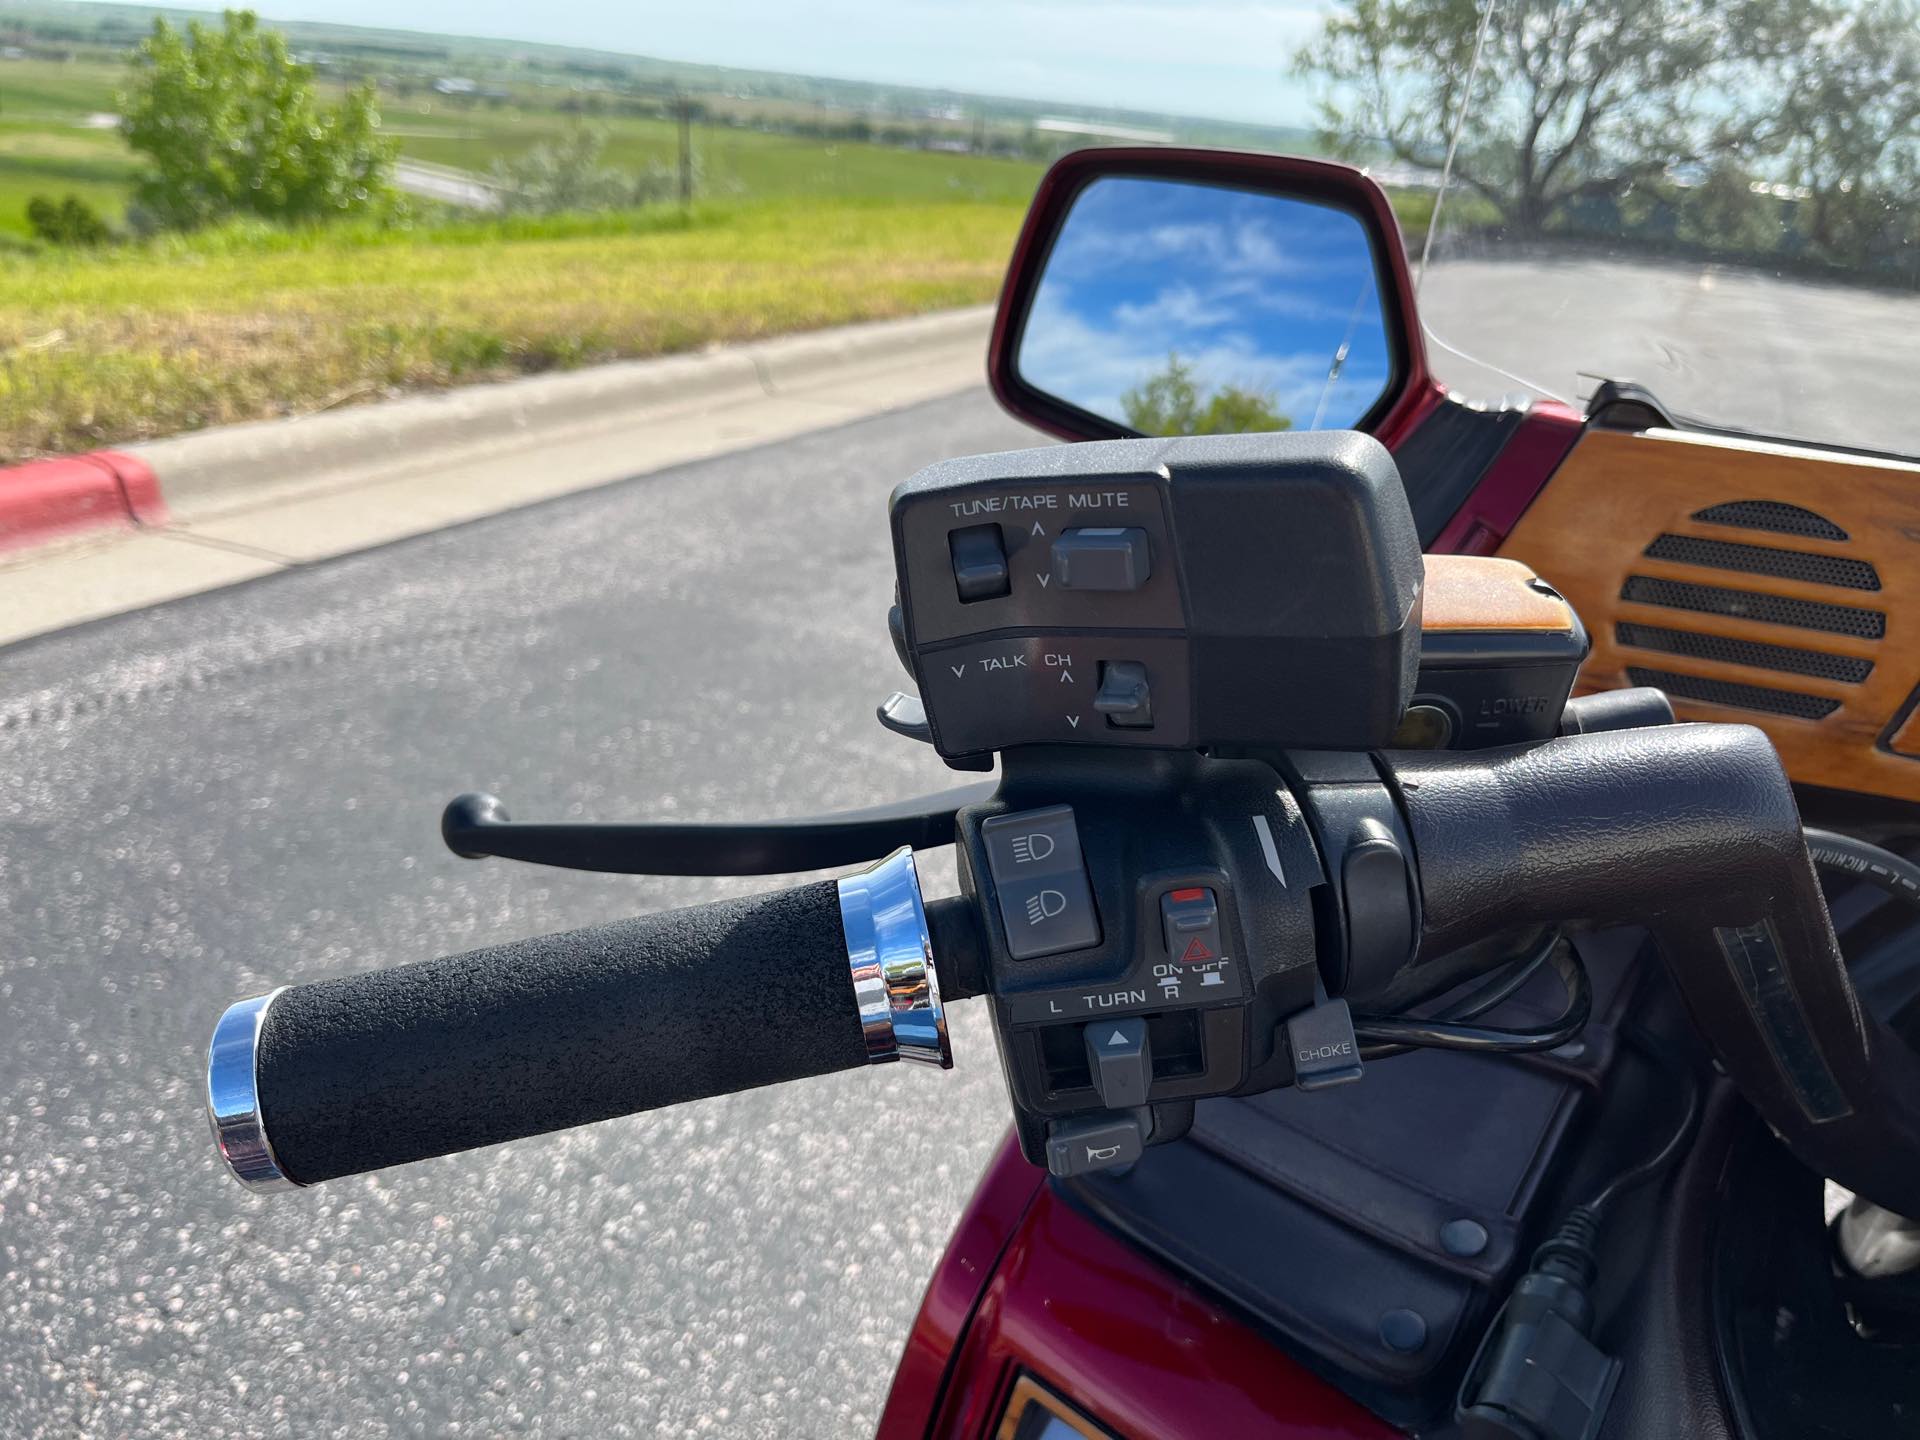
233,1097
891,954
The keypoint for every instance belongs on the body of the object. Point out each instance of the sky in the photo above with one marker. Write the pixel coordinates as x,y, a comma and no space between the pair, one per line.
1251,291
1221,58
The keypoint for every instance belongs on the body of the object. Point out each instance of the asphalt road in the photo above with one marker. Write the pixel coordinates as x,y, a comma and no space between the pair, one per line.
206,799
1723,344
446,184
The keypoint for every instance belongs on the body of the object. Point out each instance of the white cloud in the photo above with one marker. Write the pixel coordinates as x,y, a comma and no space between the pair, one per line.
1094,365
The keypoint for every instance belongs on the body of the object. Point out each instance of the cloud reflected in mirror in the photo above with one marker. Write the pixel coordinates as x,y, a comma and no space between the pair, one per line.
1182,309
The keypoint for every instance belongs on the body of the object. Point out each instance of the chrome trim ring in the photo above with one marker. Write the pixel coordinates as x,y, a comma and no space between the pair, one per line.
891,954
233,1097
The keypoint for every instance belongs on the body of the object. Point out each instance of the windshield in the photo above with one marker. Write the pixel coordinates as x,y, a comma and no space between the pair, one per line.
1721,203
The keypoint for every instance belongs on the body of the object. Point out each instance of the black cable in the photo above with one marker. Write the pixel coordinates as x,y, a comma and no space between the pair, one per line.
1882,958
1447,1034
1864,861
1504,986
1524,962
1648,1168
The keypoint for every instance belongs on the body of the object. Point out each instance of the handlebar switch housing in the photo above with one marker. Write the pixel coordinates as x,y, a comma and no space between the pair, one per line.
1201,876
1188,593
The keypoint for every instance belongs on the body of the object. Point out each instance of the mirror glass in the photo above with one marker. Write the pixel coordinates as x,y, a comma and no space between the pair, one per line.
1180,309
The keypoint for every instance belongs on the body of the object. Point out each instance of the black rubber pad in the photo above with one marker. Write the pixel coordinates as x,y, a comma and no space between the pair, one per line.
398,1065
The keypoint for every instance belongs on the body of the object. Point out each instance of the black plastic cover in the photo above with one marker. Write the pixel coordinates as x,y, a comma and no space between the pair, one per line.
1282,606
1418,1190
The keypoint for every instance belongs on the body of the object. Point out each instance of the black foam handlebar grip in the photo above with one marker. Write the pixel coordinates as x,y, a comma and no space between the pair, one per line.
398,1065
1692,831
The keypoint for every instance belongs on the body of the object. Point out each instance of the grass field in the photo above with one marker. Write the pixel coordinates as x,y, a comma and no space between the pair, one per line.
46,145
245,323
733,162
154,337
47,148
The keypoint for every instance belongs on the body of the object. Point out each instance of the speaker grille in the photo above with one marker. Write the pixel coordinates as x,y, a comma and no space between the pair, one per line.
1755,653
1751,605
1740,697
1771,515
1764,560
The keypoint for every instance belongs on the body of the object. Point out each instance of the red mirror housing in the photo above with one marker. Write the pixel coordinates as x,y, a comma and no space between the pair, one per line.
1412,390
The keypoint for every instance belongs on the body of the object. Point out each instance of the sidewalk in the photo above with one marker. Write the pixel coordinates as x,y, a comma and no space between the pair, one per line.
222,506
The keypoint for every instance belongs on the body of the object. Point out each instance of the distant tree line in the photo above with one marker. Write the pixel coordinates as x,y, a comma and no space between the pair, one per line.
1783,128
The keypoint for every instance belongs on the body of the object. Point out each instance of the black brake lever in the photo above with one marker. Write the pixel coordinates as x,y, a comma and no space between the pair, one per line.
476,826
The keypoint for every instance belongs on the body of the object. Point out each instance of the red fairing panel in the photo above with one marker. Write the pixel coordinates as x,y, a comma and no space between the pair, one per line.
1130,1344
1519,473
993,1217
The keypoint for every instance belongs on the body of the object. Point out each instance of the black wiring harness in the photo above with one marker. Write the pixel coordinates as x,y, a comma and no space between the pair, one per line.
1540,1343
1383,1035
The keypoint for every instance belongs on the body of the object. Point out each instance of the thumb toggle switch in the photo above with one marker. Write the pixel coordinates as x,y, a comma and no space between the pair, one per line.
1122,1068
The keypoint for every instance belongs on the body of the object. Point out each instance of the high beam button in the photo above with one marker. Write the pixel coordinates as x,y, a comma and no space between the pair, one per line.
1040,882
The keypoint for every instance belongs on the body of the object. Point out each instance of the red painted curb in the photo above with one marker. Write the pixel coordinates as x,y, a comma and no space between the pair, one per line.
49,499
139,486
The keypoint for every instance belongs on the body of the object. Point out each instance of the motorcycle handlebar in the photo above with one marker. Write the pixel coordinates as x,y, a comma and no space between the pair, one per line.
1692,831
318,1081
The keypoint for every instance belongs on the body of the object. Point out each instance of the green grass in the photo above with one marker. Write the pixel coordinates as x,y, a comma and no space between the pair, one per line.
45,149
734,162
57,90
1464,210
45,146
248,322
38,160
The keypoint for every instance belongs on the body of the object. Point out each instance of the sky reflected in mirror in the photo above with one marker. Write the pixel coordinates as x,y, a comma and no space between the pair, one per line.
1177,308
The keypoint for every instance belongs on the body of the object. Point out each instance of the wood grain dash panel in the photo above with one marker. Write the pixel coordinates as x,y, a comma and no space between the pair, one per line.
1588,531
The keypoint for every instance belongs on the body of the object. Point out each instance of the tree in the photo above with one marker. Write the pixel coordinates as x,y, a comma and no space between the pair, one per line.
230,124
1169,402
568,175
70,222
1848,132
1571,100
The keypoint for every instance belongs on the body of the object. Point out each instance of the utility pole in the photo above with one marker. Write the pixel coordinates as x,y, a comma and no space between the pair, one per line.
684,106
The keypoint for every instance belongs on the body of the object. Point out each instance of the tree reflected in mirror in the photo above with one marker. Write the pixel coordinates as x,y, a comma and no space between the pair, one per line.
1172,403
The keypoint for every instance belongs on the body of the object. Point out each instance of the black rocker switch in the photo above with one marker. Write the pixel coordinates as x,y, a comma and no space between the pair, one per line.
1040,882
1102,559
1117,1055
979,563
1190,924
1123,696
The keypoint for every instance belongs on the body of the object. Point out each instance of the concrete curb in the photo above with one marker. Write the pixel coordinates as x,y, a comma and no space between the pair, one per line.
208,472
49,500
213,470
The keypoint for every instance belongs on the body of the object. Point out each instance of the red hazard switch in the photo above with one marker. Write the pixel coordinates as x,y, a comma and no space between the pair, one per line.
1190,920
